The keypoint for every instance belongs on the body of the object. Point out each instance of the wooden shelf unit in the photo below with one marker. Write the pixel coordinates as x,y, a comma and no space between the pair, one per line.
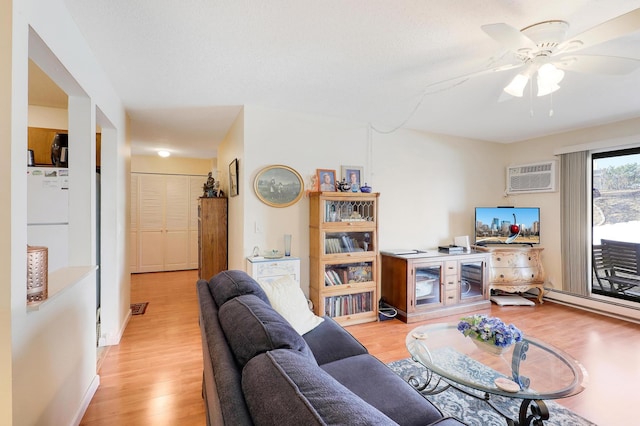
212,237
431,284
343,256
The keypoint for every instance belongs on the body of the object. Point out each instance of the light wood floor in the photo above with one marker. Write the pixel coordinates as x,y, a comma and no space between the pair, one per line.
154,375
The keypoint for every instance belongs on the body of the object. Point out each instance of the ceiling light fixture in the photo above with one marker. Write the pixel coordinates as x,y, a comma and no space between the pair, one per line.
548,77
517,85
164,153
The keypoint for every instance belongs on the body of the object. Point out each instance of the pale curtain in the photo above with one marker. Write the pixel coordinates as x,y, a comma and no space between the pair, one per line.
575,201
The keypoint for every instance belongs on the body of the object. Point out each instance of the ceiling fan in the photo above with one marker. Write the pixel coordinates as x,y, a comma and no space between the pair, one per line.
542,50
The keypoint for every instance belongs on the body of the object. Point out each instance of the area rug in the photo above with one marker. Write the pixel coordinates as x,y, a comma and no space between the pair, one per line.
138,308
475,412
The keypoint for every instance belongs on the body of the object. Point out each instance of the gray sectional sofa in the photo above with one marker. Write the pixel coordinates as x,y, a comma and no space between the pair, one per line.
259,370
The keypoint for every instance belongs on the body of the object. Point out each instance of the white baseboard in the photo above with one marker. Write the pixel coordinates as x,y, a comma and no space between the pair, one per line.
111,339
86,400
610,308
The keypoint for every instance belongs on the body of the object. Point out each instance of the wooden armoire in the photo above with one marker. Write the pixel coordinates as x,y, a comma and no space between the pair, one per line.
212,236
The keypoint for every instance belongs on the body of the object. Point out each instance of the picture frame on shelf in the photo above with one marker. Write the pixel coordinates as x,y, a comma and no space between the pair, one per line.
326,180
278,186
233,178
353,175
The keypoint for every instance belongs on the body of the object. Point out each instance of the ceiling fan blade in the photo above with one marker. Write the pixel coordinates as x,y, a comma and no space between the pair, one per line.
455,81
608,30
508,36
613,65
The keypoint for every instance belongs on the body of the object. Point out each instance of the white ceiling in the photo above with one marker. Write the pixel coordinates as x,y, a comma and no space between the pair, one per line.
184,69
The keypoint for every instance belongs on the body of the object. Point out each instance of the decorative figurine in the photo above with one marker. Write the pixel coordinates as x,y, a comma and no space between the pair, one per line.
209,188
313,185
343,186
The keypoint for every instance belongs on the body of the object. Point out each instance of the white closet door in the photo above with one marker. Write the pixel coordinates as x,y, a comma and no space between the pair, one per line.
164,222
176,241
151,222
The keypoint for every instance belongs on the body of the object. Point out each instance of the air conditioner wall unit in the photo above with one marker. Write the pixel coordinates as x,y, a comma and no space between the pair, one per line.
530,178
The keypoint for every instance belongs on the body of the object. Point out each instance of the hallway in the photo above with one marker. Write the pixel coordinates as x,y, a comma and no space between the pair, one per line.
154,375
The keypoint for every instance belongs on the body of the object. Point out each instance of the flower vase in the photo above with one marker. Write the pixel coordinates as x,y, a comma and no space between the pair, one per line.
490,347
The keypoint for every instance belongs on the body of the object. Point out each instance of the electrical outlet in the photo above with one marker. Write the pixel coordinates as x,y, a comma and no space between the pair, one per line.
258,227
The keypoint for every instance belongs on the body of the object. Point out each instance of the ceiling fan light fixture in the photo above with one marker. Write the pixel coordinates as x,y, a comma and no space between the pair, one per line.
548,78
549,72
517,85
544,89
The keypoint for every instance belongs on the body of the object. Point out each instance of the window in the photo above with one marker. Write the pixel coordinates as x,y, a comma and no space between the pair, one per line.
615,217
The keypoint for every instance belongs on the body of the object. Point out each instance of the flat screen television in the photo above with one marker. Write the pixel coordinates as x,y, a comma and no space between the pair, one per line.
507,225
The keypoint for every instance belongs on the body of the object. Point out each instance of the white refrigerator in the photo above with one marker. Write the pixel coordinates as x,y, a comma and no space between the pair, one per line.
48,213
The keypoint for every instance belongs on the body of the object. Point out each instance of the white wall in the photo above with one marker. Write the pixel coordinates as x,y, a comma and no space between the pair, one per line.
304,143
172,165
429,184
233,148
48,356
48,118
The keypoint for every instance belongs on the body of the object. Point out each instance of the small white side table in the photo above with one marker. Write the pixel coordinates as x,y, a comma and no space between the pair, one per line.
262,269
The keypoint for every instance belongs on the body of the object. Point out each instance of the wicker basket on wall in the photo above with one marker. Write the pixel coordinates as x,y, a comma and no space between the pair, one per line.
37,273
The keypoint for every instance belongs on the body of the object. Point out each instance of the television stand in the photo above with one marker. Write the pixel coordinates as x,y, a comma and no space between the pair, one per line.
515,269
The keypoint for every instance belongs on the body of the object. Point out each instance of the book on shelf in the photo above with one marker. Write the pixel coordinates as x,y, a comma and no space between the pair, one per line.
336,276
349,304
359,273
346,243
350,273
328,279
332,245
343,244
350,244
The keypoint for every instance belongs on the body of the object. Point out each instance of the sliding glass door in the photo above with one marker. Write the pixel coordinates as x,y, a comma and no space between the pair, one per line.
616,223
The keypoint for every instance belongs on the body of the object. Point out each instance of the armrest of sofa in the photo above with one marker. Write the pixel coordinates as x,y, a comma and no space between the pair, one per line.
222,381
330,342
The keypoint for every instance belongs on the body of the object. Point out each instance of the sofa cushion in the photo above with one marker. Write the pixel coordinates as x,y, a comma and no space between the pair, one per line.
282,387
229,284
343,344
252,327
382,388
286,297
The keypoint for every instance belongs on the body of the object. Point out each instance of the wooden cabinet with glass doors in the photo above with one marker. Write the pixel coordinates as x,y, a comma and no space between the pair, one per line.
426,285
343,256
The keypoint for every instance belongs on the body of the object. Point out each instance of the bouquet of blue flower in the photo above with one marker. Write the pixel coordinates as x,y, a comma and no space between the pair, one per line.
489,329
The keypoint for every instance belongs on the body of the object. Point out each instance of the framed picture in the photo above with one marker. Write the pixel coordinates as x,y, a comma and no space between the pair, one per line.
354,176
278,186
233,178
326,179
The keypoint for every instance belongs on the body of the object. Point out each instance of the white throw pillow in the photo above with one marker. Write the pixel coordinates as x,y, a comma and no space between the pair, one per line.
287,298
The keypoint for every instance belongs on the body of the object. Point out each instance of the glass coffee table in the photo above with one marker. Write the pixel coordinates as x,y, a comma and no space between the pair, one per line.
530,370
